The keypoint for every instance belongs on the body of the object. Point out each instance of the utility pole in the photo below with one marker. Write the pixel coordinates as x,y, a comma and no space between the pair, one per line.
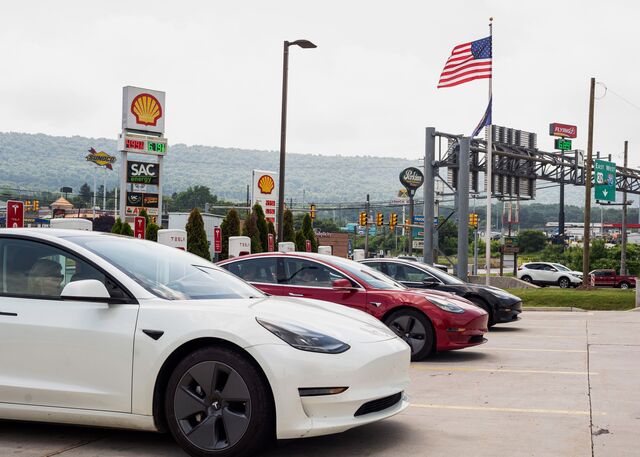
587,190
366,230
623,251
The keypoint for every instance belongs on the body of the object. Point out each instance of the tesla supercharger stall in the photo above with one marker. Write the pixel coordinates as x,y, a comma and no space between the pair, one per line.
175,238
325,250
239,245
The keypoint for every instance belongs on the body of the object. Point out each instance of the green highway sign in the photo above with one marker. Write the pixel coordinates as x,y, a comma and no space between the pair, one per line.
605,180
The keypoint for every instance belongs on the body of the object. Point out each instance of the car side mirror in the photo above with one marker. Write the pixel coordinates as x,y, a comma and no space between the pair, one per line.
341,284
430,282
86,290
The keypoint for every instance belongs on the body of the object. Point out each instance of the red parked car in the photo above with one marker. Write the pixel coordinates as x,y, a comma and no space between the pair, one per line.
427,320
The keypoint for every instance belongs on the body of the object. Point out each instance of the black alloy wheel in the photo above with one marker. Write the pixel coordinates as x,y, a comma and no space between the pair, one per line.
217,404
415,329
564,283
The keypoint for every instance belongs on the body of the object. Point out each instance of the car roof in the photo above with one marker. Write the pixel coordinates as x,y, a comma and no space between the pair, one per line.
51,232
309,255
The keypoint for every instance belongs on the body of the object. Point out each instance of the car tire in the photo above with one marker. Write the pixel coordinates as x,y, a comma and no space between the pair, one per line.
624,285
564,283
527,278
480,303
218,404
414,328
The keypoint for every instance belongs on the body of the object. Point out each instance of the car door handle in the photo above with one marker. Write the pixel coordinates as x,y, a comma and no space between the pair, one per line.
291,294
2,313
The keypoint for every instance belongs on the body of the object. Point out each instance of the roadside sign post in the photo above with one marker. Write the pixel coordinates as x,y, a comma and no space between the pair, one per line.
217,242
562,132
139,227
605,180
15,214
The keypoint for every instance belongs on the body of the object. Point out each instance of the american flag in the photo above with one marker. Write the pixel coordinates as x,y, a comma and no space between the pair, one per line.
467,62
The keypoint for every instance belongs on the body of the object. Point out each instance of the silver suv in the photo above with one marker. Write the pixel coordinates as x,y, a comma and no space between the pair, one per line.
549,274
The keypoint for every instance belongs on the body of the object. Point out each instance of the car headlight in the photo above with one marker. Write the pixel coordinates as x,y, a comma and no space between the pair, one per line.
446,306
304,339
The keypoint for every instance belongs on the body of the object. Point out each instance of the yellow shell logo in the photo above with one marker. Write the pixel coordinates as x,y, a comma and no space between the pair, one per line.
266,184
146,108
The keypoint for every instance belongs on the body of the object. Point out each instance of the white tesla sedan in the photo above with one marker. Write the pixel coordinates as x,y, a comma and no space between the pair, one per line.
102,330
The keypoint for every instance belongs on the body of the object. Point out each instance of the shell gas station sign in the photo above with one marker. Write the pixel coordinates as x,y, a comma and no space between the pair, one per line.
143,115
265,192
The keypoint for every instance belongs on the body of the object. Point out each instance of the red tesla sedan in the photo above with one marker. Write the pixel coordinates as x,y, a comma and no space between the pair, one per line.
427,320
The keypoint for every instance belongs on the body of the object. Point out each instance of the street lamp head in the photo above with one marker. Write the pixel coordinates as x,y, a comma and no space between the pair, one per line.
303,44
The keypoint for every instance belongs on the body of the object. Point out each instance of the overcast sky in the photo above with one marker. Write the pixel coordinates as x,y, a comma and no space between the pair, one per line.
368,89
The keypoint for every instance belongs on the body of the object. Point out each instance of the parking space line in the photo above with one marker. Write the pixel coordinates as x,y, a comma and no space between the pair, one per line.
499,370
567,412
534,349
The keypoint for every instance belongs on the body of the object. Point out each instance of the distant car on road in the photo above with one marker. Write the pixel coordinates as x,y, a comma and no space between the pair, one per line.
501,306
428,320
609,278
549,274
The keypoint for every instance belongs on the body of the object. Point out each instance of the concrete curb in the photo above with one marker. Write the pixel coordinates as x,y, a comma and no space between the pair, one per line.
552,308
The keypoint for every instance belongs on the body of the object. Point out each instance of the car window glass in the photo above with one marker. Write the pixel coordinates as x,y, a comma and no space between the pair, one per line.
374,265
255,270
532,266
401,272
37,269
302,272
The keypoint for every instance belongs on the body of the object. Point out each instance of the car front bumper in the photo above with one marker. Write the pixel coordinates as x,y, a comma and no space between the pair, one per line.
507,310
373,372
461,331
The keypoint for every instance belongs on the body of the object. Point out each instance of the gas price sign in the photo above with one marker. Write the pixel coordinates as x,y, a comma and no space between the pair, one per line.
142,144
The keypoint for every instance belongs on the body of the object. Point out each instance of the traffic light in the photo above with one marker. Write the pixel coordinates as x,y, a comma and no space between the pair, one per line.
393,220
27,205
473,220
312,211
363,218
407,222
36,205
379,219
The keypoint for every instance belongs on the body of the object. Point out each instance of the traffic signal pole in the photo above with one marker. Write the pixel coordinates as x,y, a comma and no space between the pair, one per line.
623,250
366,231
429,197
462,269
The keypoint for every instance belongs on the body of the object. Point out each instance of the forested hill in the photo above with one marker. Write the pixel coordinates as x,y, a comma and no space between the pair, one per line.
44,162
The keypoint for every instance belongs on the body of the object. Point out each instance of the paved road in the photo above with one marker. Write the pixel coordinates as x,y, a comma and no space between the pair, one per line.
552,384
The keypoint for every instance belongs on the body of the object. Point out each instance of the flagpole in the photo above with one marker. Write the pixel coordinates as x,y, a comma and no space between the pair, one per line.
489,161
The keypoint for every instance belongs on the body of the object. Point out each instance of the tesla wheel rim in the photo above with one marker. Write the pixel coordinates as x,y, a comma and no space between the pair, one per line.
411,330
212,406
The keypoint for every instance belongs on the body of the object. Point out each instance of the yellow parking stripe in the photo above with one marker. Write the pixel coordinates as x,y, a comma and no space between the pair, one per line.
497,370
567,412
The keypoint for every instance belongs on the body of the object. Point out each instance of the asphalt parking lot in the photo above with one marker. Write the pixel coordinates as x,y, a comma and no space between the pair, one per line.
552,384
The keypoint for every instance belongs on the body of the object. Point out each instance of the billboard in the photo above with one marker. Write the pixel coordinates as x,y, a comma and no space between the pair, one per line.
143,110
563,130
265,192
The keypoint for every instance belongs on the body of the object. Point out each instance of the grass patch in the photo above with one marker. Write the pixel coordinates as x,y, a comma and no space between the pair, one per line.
593,300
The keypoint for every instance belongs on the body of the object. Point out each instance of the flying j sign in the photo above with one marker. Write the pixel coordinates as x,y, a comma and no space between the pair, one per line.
563,130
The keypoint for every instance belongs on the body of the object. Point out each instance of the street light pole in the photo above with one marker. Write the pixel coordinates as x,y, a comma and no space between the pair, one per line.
283,129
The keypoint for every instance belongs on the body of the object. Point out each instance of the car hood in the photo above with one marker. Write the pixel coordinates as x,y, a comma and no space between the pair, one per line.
478,287
417,296
341,322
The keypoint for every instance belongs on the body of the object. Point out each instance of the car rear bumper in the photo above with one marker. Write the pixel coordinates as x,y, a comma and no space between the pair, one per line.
376,375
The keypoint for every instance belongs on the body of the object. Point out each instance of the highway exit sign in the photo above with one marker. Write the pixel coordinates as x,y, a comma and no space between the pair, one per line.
605,180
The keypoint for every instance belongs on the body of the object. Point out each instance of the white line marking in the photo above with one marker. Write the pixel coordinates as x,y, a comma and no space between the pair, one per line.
567,412
498,370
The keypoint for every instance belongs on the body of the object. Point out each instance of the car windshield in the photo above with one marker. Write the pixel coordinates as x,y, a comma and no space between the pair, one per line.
560,267
373,278
441,275
165,271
